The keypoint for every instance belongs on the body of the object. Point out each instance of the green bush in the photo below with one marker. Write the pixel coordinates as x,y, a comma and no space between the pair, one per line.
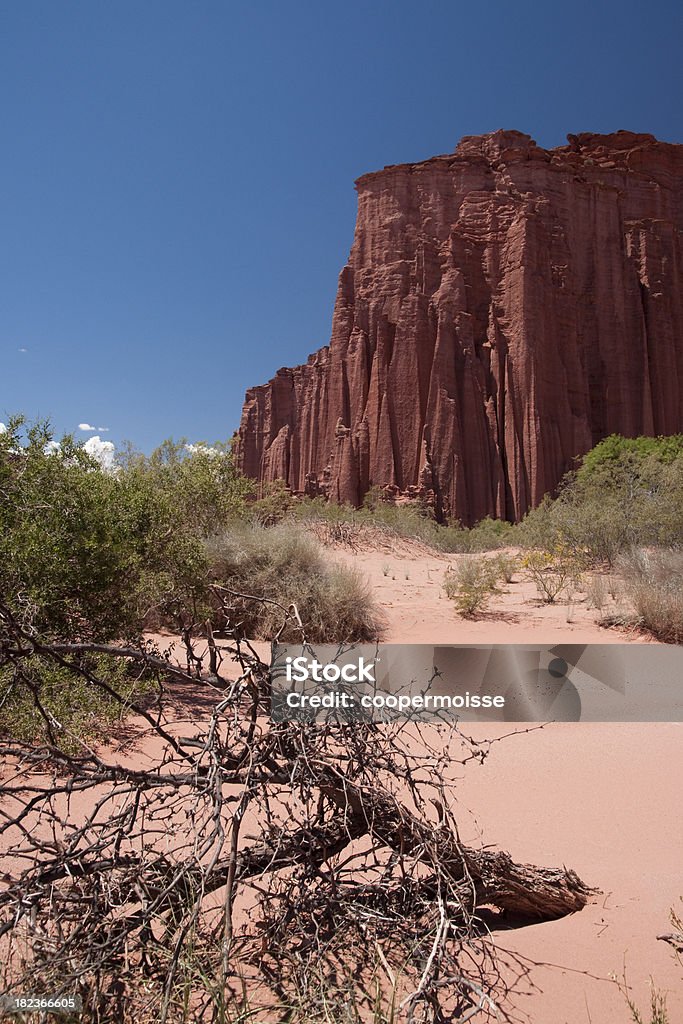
199,481
471,584
615,452
506,566
410,521
90,555
86,553
490,534
627,492
41,697
276,503
554,573
81,552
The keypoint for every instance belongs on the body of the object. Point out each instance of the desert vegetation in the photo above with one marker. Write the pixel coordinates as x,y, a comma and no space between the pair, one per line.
657,1010
254,870
286,565
610,538
621,513
472,583
653,581
627,493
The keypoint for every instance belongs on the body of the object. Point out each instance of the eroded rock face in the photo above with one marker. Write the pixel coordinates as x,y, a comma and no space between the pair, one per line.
503,309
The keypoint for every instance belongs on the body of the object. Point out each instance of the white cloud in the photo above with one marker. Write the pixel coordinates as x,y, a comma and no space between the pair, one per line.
52,447
102,451
88,428
3,428
203,449
22,350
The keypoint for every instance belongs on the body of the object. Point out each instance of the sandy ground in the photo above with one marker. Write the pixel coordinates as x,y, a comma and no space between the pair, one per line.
604,799
407,583
601,798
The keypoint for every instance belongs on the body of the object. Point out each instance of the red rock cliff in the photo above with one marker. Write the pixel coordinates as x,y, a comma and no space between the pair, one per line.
503,309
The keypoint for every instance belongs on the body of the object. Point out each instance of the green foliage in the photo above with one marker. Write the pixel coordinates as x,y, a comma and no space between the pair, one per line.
471,584
628,492
506,566
88,555
409,521
487,535
375,498
616,451
275,504
199,480
62,536
84,552
40,698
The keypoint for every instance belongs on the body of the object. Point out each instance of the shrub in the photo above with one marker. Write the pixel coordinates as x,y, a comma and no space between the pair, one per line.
615,451
199,480
653,581
83,552
344,524
285,565
657,1011
628,492
594,528
89,555
471,584
275,504
554,573
596,588
489,534
506,566
42,698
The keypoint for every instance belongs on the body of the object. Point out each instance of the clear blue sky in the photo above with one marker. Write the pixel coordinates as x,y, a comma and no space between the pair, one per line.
177,177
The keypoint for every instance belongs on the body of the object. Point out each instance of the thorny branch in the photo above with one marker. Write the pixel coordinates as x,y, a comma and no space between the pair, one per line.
302,872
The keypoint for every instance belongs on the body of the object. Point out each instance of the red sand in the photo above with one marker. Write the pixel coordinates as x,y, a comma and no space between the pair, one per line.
605,799
407,583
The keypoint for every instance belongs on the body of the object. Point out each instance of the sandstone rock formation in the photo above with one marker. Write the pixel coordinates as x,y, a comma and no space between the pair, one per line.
503,309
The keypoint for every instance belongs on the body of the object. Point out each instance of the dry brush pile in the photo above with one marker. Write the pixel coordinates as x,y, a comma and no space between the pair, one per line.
225,867
251,870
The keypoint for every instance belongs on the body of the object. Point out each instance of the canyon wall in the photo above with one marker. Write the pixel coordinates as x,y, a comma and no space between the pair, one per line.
503,308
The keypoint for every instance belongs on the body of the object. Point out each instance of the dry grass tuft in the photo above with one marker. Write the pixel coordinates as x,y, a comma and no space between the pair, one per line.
653,581
285,565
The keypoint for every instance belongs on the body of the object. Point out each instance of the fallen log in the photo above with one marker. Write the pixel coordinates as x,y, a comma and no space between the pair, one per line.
540,894
533,892
536,893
